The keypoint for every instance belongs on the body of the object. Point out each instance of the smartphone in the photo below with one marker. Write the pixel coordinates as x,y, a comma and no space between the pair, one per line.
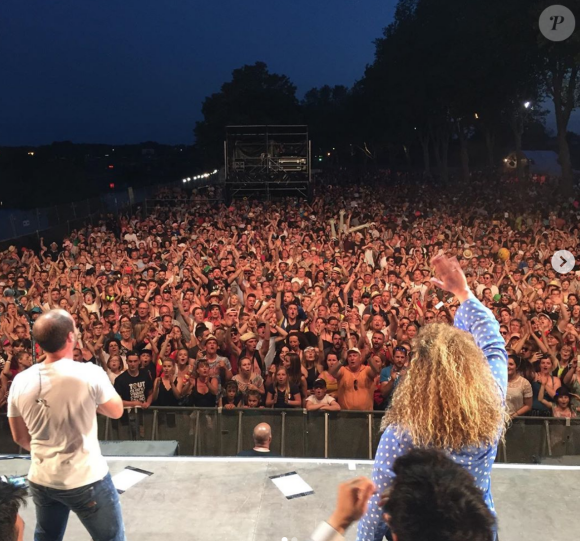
439,305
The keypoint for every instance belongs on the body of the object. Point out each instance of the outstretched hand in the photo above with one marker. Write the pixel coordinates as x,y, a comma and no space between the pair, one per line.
450,276
351,505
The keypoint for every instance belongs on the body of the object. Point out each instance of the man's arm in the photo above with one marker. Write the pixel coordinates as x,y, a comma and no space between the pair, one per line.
335,371
351,505
20,432
113,408
149,400
375,367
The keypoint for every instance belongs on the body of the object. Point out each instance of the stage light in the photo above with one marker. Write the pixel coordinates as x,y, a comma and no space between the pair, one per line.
215,171
188,179
476,116
184,181
527,104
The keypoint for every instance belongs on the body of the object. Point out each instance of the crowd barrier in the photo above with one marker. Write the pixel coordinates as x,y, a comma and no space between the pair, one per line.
298,433
24,228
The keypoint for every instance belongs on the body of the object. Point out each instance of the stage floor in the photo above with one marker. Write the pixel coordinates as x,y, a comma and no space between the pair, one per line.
213,498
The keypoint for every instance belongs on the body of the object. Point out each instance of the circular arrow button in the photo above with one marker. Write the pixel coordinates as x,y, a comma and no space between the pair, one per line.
563,261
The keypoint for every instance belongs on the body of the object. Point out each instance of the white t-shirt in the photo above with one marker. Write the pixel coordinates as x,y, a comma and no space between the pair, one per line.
65,448
328,400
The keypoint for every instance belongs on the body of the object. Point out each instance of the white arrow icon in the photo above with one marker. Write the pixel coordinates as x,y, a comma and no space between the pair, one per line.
563,261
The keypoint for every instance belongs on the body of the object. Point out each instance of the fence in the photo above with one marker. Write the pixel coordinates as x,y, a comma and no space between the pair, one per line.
298,433
25,227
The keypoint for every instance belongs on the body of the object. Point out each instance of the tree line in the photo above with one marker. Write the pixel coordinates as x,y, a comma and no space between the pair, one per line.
444,73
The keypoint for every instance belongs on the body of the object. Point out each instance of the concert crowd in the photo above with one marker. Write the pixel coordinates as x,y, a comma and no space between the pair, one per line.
290,304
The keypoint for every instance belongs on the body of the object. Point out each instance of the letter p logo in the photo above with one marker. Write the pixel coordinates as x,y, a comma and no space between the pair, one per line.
557,23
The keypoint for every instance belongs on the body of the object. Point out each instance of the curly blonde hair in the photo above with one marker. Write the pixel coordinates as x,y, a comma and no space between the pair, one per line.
449,398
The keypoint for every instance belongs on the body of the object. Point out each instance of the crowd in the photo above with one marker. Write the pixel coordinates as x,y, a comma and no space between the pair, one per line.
304,305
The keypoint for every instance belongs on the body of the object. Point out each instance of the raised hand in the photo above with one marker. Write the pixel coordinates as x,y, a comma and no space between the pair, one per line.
450,276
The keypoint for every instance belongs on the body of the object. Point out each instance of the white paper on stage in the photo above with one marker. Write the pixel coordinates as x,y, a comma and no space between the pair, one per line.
292,485
129,477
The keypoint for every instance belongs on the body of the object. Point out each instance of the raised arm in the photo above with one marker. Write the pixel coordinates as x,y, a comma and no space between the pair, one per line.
473,317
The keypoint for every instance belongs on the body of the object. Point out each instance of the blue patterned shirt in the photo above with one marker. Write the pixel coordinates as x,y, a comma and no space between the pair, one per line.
478,320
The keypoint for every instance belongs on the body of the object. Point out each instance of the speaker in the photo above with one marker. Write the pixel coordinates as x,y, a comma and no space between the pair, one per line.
140,448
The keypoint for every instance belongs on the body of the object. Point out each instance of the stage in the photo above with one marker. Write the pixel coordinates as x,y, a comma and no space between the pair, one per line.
234,499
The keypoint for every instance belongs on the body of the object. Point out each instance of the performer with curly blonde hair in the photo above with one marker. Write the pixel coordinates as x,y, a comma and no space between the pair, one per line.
452,398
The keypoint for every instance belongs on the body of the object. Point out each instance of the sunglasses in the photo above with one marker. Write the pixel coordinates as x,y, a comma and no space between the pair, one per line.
503,332
429,317
356,384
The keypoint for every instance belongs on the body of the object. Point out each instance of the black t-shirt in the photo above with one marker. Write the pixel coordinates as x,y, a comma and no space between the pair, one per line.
253,452
311,339
134,388
281,403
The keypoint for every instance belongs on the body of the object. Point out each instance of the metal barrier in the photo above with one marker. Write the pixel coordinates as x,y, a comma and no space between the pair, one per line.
299,433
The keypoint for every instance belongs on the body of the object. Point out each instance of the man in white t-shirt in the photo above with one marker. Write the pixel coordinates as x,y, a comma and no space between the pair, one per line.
52,413
319,400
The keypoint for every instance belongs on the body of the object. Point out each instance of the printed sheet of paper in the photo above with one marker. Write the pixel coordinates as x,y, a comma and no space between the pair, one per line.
129,477
292,485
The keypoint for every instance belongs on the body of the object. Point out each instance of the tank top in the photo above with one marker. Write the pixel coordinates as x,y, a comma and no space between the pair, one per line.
165,397
311,378
536,404
207,400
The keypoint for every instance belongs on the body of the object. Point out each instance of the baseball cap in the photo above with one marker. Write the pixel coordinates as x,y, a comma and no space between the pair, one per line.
355,350
319,384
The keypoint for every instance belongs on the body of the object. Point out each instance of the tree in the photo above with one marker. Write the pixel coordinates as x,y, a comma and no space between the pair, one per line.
253,96
561,63
443,71
325,111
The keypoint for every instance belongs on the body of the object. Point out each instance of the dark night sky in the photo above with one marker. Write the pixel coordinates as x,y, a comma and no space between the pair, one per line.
99,71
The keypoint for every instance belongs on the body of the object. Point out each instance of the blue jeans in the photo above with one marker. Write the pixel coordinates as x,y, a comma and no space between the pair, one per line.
97,506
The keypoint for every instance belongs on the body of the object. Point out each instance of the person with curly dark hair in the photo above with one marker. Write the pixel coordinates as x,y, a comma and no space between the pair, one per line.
431,493
11,523
431,497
